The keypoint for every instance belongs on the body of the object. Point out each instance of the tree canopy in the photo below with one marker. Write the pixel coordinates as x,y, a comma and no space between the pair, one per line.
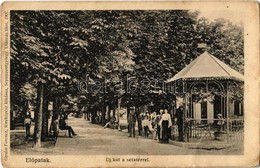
61,48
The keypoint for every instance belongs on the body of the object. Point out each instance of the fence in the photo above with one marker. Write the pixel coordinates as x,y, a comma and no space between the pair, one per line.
226,130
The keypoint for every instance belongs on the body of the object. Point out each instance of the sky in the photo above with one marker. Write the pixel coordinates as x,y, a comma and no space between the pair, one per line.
233,16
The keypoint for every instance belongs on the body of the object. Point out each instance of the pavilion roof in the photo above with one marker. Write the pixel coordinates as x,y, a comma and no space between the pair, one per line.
206,66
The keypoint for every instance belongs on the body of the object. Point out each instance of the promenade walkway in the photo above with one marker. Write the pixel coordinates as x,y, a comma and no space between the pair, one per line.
93,139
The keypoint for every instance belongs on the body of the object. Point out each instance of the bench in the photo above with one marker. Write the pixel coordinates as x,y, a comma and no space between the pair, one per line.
63,132
57,131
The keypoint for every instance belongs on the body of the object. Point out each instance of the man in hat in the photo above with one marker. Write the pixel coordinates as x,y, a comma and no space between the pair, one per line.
220,121
179,116
27,124
64,126
131,122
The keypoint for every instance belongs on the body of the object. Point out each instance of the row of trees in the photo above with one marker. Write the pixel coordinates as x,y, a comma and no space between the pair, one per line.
53,51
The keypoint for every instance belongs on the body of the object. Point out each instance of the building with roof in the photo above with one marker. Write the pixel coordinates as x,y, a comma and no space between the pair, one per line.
208,87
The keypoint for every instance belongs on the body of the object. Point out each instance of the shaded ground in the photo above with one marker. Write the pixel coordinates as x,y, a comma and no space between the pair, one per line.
21,145
92,139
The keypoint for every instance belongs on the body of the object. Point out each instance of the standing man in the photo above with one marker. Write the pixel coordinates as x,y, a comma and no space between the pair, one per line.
139,122
27,124
131,122
179,115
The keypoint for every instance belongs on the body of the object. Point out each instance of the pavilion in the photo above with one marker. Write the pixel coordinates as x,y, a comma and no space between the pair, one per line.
209,87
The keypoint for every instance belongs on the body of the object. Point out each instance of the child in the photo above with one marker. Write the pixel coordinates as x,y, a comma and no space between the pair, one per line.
155,122
145,124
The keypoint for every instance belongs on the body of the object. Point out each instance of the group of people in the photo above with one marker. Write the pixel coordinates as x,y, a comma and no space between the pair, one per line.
158,125
62,124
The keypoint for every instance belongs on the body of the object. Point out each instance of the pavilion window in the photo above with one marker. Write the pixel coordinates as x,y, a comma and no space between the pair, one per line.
238,108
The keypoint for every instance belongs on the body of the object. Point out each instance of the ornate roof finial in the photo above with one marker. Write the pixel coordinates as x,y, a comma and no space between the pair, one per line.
203,47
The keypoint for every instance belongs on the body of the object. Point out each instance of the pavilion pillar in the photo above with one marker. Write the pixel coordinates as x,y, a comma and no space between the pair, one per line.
228,110
185,114
185,105
185,100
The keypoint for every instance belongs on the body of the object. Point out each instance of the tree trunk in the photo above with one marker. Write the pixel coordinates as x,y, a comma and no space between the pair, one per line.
127,110
103,114
88,113
109,111
55,108
45,117
114,111
25,108
93,112
139,121
38,116
118,112
127,114
55,113
12,116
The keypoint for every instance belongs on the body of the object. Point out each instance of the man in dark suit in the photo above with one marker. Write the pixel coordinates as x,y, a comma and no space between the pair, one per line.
64,126
179,115
131,122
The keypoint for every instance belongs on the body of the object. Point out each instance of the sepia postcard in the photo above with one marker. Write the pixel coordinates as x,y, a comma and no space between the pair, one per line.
130,84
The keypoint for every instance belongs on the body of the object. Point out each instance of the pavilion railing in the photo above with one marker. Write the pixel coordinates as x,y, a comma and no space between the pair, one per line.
226,130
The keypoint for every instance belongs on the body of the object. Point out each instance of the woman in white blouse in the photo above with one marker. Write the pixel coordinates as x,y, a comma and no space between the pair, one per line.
165,124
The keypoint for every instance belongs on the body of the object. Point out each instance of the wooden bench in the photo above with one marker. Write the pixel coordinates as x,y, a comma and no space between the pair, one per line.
57,131
63,132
